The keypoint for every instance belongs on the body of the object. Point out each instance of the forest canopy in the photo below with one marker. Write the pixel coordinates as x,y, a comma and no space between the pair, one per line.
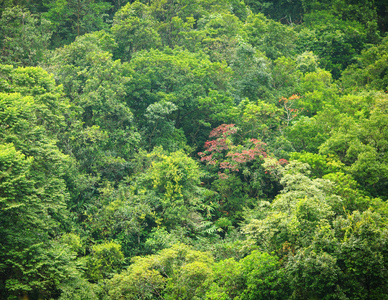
193,149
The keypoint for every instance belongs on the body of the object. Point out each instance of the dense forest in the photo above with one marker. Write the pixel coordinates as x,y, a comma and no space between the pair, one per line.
193,149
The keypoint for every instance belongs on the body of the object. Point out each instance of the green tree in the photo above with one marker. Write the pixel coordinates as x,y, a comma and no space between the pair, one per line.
134,29
314,275
316,90
178,272
257,119
72,18
160,129
360,145
104,260
320,164
25,37
264,277
335,41
102,135
182,78
270,37
251,73
257,276
370,70
117,214
173,183
288,12
363,256
33,201
294,212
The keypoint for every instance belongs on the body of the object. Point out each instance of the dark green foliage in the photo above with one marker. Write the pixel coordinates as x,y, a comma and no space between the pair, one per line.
288,12
336,41
270,37
102,134
72,18
183,79
24,37
370,70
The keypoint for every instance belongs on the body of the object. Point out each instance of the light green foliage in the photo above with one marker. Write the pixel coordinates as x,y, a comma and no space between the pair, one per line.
314,276
307,62
24,37
32,118
21,127
295,211
353,198
33,212
258,119
174,180
49,103
264,277
307,134
317,90
15,184
285,78
320,165
37,122
257,276
73,241
358,106
104,260
227,280
30,261
137,282
174,273
80,289
160,129
361,146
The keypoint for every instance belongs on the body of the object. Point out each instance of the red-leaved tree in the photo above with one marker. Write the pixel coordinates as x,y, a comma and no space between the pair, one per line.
223,154
244,170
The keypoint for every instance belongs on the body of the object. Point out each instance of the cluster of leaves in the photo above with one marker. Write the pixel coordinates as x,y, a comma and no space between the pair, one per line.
193,149
236,156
